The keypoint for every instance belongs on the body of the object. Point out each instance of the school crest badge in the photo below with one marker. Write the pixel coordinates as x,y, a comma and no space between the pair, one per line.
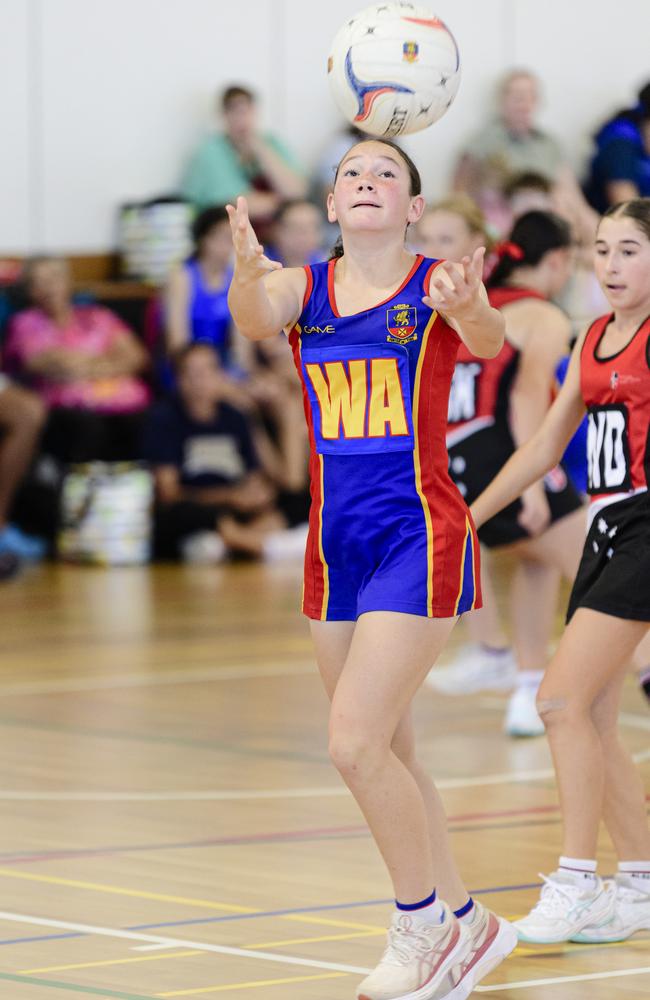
401,322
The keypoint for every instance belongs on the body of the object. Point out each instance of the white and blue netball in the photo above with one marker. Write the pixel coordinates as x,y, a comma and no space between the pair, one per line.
394,69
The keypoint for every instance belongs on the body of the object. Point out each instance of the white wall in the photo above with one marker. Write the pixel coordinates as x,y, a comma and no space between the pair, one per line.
102,100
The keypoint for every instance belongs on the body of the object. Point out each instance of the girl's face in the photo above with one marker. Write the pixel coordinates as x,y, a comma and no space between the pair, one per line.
371,192
622,262
444,234
216,246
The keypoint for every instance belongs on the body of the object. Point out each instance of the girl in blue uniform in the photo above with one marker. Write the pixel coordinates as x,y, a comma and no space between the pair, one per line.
392,557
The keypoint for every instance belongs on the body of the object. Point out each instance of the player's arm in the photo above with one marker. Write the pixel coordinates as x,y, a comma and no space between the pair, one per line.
457,292
541,452
546,343
263,298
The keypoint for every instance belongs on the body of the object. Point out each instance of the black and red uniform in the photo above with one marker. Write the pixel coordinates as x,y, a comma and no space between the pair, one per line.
614,574
479,439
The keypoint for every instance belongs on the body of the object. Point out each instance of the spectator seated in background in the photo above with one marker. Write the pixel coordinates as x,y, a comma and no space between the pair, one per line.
22,415
242,160
211,496
620,169
196,295
510,144
297,233
83,363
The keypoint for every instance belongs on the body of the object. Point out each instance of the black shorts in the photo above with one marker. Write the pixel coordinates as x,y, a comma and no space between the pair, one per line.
473,464
614,572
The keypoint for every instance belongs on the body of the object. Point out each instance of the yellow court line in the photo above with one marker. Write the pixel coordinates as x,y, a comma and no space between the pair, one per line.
111,961
161,897
248,986
316,940
164,898
121,891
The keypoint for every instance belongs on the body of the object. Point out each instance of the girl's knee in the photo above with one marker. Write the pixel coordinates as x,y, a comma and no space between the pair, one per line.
353,752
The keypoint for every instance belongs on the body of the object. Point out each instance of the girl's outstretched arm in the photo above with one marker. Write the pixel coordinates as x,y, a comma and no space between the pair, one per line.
263,298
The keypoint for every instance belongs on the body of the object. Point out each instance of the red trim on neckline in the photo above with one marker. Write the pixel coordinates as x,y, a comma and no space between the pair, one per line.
332,296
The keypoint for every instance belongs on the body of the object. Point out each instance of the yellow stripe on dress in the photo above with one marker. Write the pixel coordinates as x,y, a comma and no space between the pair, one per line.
468,538
326,575
418,468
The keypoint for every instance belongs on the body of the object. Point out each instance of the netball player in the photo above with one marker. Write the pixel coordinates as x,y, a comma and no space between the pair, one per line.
498,403
609,610
392,556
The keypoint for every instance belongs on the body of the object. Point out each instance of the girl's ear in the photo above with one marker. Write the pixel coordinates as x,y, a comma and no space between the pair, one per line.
331,211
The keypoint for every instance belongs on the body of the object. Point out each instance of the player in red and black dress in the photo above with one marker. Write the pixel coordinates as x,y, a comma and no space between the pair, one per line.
391,557
496,404
609,610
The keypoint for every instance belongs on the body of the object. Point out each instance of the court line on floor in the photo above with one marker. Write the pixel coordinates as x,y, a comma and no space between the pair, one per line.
525,984
165,678
274,837
254,794
107,961
74,988
252,984
180,943
296,912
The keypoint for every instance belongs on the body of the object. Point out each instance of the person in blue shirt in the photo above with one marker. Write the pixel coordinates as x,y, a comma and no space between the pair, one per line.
196,295
620,168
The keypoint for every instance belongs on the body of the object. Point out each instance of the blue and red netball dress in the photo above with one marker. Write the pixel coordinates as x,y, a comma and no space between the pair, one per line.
388,530
479,438
614,574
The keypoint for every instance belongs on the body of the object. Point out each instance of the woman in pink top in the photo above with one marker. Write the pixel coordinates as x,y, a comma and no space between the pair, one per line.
83,362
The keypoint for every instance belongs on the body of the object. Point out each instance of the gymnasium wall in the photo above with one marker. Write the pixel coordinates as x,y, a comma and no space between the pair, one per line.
102,100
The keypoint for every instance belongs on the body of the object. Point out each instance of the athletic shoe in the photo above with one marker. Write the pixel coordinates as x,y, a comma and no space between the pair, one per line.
566,907
522,717
205,548
420,962
475,668
631,914
493,938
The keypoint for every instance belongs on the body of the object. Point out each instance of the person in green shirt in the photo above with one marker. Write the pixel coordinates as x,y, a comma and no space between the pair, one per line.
242,160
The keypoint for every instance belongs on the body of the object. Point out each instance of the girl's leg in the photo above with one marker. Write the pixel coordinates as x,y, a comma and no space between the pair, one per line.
593,655
533,605
447,878
388,658
332,641
624,809
485,625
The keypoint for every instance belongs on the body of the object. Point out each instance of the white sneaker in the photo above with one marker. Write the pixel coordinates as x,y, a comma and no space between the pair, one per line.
475,668
631,914
286,544
493,938
565,907
420,963
204,548
522,717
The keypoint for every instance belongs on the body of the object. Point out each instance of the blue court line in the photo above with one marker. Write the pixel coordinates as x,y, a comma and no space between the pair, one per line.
262,913
14,858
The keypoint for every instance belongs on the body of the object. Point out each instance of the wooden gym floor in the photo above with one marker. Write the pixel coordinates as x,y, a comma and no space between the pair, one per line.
172,827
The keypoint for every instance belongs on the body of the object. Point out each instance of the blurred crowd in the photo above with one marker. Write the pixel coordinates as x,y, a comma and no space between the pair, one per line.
215,419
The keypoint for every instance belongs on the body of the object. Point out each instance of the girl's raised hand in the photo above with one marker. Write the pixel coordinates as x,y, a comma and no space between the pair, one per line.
457,293
250,262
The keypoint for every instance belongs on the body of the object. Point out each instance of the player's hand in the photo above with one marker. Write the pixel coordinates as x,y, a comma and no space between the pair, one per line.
250,262
453,293
535,513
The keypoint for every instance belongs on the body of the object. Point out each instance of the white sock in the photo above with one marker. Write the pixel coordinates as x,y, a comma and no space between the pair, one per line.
529,679
582,870
429,915
637,873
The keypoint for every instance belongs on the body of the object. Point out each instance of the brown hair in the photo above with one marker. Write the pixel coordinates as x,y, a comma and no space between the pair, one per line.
233,93
415,181
637,209
467,209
